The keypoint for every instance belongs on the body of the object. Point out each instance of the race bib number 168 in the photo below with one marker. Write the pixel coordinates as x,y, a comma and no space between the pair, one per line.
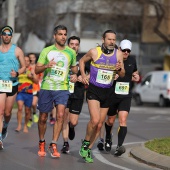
104,76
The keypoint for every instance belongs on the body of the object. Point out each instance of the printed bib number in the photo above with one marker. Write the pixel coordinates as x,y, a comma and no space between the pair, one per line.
58,73
104,76
122,88
5,86
71,87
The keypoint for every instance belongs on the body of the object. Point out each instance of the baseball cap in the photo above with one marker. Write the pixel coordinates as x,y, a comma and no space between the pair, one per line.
125,44
7,28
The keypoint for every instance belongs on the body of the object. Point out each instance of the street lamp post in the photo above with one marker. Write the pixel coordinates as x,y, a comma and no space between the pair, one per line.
11,19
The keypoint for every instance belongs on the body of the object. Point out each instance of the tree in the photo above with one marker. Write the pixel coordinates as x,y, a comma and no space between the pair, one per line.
156,19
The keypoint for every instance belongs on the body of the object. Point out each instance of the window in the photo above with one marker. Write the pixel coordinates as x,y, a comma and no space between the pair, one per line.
146,81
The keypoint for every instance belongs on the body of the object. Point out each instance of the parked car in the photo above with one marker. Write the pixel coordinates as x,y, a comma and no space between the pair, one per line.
154,88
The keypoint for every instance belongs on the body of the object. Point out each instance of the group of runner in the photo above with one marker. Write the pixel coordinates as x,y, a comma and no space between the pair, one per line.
108,70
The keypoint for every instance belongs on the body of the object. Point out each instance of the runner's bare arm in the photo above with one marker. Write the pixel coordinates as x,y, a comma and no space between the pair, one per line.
74,69
20,55
120,65
135,76
90,55
39,68
33,77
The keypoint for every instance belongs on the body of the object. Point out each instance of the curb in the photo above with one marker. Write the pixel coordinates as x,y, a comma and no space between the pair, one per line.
149,157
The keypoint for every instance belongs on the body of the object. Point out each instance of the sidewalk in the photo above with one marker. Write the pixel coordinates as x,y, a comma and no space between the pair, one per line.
149,157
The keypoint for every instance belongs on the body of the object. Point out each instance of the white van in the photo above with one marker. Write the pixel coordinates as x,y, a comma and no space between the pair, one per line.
154,88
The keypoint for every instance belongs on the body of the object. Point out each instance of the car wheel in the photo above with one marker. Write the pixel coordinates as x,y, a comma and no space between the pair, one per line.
162,101
138,100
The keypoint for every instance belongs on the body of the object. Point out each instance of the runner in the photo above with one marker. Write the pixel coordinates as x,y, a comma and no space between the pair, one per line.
36,89
121,99
12,64
75,102
106,61
55,61
25,94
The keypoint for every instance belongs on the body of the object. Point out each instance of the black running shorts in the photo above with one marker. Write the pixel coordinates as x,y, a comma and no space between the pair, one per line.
75,105
14,91
119,104
100,94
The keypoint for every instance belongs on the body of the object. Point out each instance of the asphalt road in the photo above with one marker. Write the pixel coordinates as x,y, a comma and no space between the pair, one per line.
144,123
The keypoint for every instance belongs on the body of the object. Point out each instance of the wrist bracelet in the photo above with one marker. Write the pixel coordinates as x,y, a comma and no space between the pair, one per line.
17,74
74,73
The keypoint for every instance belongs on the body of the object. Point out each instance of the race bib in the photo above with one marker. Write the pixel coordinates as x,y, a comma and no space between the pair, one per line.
58,73
6,86
122,88
104,76
71,87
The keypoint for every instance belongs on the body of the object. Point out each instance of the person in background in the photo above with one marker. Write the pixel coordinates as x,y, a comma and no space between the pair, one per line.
12,64
52,116
120,101
55,61
36,89
75,101
100,144
25,94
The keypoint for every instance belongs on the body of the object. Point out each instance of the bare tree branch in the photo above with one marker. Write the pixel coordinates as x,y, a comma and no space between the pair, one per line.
160,17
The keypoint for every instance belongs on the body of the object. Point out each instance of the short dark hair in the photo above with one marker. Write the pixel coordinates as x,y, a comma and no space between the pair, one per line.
31,54
26,56
108,31
59,27
73,38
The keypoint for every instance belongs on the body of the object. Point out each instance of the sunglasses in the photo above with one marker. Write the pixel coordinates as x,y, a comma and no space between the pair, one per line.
6,33
126,50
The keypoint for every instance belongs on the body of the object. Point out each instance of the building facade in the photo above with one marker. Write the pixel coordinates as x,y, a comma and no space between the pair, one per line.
88,19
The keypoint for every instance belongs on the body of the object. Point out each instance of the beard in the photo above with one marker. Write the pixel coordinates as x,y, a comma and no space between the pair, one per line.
6,42
61,43
110,47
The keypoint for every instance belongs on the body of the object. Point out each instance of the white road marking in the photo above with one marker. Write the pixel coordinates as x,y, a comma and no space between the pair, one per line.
105,161
159,117
98,156
146,110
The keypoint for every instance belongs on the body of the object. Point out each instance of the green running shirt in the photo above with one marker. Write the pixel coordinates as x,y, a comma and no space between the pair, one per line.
56,78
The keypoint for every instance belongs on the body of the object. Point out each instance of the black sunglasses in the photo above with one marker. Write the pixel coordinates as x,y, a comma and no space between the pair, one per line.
6,33
126,50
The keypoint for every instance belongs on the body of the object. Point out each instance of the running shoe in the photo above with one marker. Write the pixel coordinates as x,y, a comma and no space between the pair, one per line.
35,118
4,133
29,124
100,145
108,144
1,145
71,133
119,150
53,150
41,151
88,158
65,148
84,149
52,121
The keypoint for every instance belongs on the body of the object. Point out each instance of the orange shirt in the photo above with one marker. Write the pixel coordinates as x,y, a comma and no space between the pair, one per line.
36,87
